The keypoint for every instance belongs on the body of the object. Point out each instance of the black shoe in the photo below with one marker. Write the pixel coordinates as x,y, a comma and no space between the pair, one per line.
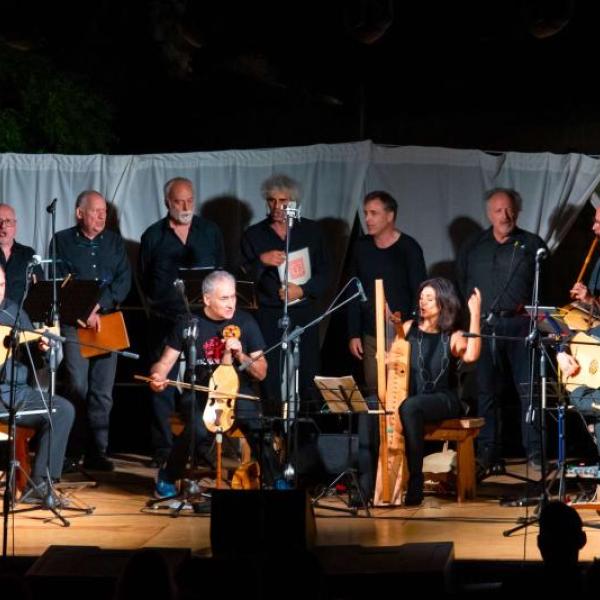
33,494
98,463
157,462
71,464
414,492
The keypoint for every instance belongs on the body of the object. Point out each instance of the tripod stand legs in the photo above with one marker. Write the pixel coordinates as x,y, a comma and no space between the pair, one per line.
353,510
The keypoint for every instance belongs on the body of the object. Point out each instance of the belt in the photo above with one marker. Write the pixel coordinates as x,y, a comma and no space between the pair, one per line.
504,313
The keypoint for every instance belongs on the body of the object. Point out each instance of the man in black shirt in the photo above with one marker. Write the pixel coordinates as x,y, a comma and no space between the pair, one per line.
179,240
14,257
501,263
388,254
91,252
263,251
224,336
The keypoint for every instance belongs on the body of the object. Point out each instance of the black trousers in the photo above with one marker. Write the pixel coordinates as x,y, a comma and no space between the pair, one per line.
247,418
90,385
268,319
499,360
163,403
52,434
417,410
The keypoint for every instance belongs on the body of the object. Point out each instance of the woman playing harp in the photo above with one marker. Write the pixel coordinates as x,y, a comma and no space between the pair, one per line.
436,348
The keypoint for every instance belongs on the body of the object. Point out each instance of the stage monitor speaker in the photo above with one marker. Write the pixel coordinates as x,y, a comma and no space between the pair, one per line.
90,572
250,521
338,452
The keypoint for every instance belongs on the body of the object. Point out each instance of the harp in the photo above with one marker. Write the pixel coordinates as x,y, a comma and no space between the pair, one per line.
393,368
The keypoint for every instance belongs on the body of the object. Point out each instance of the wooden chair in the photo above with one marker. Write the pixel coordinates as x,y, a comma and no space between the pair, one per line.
463,432
22,437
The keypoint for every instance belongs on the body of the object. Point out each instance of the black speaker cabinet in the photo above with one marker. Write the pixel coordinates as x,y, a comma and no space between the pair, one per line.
249,521
338,452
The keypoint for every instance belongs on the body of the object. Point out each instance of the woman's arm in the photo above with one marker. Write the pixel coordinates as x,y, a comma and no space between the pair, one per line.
469,349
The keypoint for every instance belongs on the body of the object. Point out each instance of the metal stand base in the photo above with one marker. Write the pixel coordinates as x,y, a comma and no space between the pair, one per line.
330,489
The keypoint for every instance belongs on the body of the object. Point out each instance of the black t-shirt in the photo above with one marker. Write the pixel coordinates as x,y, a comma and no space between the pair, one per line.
210,343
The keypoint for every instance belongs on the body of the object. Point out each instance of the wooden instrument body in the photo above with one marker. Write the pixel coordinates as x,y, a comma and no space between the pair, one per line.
578,319
24,338
588,357
219,412
112,335
393,371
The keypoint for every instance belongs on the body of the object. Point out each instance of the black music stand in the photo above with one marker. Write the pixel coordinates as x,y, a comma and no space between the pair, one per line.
342,396
76,300
76,297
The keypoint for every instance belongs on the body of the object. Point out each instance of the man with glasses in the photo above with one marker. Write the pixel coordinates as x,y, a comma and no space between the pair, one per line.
14,257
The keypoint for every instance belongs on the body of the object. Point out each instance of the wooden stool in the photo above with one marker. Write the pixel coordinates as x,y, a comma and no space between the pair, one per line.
463,432
177,426
22,437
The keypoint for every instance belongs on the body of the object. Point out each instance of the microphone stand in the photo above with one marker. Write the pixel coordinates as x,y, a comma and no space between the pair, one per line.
294,337
291,357
190,489
535,348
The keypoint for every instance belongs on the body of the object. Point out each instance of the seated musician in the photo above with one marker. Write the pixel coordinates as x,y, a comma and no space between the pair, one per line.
586,399
53,433
436,347
213,348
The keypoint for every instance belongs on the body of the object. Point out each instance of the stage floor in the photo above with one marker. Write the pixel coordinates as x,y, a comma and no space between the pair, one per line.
120,520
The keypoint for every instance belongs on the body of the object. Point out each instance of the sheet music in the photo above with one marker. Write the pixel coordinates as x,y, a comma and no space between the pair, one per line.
299,270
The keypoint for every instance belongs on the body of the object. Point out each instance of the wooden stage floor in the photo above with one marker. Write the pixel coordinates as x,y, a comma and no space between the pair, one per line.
120,521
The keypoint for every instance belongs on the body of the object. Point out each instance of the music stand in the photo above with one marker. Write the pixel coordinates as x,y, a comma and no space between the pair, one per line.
193,279
76,297
342,396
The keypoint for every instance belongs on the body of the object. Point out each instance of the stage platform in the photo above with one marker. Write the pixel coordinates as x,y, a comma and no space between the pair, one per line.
120,520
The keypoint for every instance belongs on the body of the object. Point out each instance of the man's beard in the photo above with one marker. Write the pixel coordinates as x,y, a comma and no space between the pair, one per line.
184,217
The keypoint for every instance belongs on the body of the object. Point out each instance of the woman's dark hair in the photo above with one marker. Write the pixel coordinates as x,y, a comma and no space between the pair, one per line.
447,301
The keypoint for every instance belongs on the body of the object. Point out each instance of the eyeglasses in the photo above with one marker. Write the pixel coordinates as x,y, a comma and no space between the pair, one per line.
8,222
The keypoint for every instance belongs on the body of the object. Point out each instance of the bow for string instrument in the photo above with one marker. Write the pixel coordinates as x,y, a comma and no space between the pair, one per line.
578,316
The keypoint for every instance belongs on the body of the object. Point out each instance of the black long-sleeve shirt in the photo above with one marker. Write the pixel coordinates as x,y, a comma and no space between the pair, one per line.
15,270
402,268
261,237
504,273
162,254
103,259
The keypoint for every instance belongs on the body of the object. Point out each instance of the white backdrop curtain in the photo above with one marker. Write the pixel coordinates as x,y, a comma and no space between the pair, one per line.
439,190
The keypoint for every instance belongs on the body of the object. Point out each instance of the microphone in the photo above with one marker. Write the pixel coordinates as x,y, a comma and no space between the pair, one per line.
36,260
179,285
541,254
52,206
361,290
292,211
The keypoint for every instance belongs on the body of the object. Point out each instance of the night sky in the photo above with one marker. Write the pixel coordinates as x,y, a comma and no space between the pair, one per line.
183,76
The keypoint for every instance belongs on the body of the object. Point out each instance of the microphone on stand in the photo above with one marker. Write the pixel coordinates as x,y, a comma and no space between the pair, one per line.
36,260
361,290
292,212
52,206
541,254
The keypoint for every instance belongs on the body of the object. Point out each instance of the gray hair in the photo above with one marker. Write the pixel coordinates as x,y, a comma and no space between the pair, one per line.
169,185
83,196
514,196
281,182
210,281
